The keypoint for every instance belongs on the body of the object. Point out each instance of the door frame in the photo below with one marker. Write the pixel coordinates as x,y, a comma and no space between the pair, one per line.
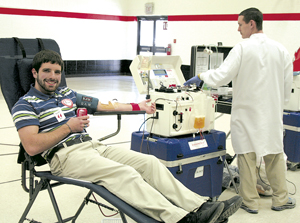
152,48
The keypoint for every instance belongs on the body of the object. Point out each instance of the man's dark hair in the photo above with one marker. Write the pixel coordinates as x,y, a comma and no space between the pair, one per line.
46,56
255,15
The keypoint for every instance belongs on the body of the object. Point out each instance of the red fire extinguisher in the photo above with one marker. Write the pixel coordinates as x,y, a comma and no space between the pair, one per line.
169,49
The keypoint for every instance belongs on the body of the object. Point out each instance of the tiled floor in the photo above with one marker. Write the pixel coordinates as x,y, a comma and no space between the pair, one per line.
13,199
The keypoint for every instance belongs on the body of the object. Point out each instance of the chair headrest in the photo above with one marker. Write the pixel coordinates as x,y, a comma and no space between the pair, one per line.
25,74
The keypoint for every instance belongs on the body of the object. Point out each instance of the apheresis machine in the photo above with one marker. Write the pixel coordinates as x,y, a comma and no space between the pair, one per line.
180,110
291,124
180,134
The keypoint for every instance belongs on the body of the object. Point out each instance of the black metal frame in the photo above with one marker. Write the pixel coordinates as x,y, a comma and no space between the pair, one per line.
44,183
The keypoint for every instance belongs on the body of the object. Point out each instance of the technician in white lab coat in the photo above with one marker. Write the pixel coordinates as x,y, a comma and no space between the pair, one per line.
261,72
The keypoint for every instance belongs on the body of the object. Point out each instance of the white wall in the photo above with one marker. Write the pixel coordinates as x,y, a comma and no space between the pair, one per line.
195,7
189,33
109,7
79,39
86,39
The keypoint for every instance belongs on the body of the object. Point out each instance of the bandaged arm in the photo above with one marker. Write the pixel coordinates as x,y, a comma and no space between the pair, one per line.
116,106
145,105
93,105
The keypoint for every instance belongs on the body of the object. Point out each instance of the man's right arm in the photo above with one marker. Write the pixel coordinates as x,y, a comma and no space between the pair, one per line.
35,142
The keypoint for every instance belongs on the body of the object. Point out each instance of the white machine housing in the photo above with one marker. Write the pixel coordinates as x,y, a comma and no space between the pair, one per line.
176,108
294,102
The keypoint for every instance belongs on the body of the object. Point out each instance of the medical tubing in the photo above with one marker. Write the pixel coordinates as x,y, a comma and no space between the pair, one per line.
193,111
210,45
195,61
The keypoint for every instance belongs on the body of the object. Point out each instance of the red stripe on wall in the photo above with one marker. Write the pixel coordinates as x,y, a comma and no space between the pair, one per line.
233,17
228,17
282,16
219,17
75,15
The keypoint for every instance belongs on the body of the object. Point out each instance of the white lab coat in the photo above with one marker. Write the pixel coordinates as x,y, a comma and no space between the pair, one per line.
261,71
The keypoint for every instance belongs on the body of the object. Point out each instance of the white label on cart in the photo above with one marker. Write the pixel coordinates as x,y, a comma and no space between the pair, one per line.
199,172
198,144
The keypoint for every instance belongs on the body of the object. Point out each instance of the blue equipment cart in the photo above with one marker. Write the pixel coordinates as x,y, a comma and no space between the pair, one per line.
291,124
199,169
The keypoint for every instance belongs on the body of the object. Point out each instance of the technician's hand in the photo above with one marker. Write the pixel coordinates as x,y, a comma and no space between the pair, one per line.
77,124
149,109
193,80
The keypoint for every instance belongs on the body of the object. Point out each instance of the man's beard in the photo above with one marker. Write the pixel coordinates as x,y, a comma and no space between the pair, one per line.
47,90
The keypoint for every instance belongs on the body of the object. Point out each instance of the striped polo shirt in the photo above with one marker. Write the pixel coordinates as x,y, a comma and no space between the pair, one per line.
49,112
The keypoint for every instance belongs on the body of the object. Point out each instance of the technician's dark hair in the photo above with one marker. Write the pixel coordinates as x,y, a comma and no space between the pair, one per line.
46,56
255,15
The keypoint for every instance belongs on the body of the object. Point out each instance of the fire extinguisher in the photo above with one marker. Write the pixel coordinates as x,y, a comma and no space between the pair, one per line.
169,49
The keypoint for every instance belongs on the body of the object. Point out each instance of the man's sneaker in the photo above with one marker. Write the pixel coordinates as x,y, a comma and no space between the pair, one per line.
206,216
289,205
230,207
251,211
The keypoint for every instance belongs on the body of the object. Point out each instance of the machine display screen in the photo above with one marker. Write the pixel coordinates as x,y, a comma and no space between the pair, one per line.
160,72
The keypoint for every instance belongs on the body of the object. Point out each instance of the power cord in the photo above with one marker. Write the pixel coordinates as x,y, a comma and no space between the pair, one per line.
270,185
105,206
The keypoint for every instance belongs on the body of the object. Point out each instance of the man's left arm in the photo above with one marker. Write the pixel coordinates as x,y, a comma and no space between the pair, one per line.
145,105
93,104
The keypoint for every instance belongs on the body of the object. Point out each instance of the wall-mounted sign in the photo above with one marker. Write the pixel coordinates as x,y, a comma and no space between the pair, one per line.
149,7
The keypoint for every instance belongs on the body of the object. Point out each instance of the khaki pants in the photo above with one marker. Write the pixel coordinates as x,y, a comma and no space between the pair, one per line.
138,179
276,174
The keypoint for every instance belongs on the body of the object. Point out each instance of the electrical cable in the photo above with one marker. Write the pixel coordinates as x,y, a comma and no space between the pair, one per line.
7,127
258,171
117,212
294,187
153,117
143,136
259,167
11,181
5,144
147,147
145,122
8,154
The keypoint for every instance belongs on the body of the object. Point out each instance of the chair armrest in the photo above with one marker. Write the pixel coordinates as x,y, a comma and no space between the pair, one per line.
119,114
